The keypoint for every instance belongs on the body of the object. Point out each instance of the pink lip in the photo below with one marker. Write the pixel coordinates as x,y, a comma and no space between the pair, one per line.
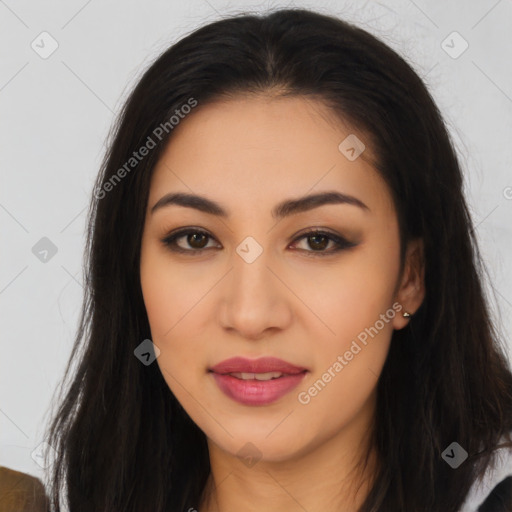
252,391
261,365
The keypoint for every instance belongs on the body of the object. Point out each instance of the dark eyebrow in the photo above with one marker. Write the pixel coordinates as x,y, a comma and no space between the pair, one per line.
283,209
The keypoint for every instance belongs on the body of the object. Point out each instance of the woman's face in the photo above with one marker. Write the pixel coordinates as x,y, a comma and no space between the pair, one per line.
260,287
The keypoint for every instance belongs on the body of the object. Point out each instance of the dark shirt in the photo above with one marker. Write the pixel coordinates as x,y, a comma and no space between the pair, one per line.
500,498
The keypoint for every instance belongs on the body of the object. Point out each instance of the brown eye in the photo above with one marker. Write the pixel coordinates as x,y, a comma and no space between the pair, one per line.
196,241
318,241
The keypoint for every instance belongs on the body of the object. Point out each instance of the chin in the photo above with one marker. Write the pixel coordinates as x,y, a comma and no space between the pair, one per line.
257,445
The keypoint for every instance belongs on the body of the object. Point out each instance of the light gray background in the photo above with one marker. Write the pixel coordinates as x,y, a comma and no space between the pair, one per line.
56,113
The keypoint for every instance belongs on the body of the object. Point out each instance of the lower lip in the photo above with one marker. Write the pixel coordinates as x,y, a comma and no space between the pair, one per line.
257,392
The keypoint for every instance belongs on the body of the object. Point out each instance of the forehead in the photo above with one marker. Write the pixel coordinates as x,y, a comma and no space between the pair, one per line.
262,148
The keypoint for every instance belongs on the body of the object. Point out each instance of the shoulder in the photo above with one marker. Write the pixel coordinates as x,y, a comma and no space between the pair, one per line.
21,492
493,492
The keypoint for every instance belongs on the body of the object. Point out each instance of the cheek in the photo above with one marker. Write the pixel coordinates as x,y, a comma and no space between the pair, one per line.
170,293
163,301
347,364
166,314
351,295
160,297
355,303
173,301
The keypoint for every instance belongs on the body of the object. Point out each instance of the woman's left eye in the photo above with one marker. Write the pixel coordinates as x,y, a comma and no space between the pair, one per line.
319,240
316,239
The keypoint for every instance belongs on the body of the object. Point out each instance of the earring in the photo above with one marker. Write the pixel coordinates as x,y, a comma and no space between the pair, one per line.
406,315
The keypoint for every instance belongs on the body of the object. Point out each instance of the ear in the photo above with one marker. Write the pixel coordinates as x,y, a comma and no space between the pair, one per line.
411,292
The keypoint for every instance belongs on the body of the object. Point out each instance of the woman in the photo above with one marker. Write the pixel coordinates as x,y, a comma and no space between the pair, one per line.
284,304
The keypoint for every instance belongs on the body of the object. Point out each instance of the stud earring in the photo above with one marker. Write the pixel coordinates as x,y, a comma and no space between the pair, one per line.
406,315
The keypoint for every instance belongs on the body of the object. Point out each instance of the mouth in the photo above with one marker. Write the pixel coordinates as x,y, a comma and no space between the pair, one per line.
256,382
257,376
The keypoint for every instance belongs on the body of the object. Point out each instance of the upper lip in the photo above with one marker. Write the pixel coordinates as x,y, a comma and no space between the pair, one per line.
261,365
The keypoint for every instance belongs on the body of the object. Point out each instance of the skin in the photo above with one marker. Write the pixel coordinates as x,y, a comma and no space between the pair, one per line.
248,154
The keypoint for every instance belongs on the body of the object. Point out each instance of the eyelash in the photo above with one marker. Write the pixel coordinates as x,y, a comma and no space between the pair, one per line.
341,243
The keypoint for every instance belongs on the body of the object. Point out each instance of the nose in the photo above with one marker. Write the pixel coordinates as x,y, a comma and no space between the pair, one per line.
254,298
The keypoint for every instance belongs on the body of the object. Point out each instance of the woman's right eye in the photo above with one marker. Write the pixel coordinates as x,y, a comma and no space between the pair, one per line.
196,239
